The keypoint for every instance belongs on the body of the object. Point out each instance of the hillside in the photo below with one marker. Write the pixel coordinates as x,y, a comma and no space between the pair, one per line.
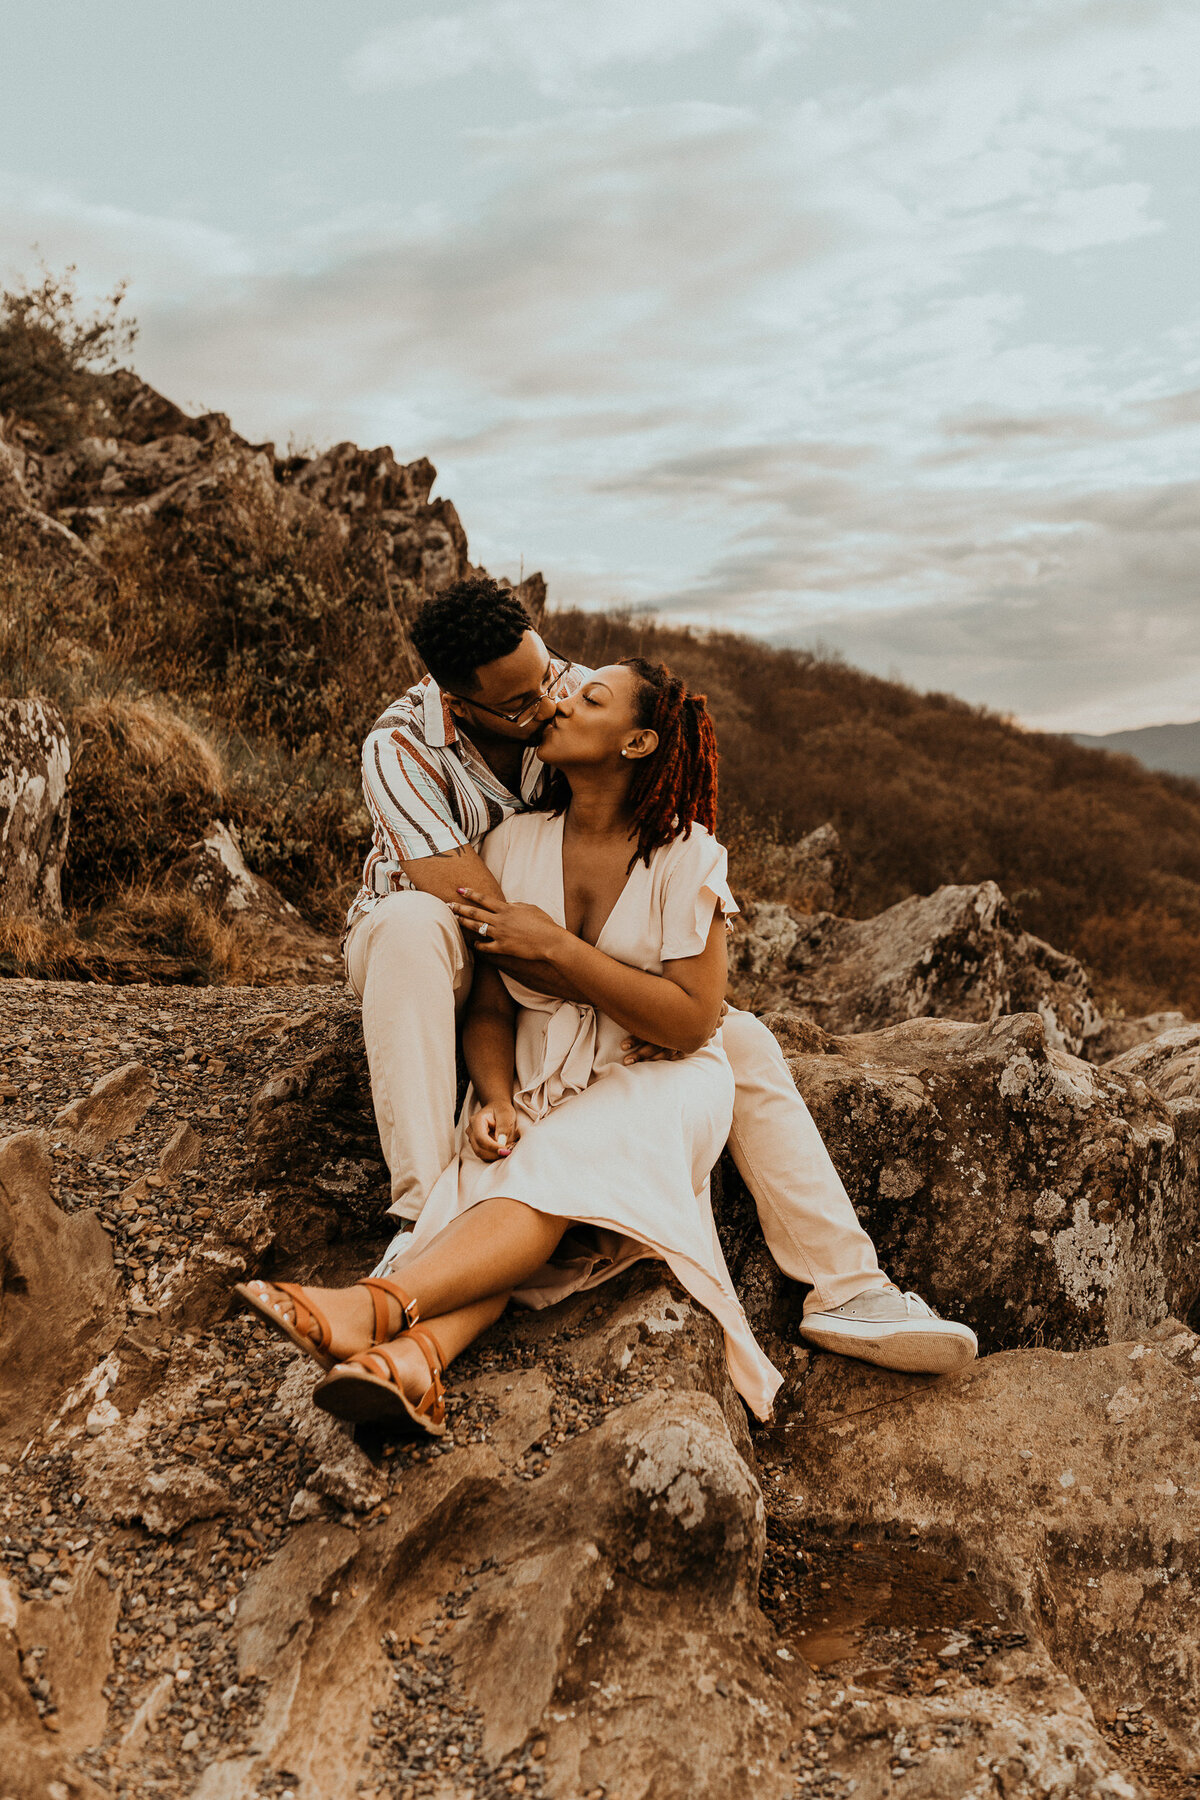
1100,856
1174,749
220,625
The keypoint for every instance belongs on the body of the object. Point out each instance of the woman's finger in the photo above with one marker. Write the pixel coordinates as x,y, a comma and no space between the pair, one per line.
473,898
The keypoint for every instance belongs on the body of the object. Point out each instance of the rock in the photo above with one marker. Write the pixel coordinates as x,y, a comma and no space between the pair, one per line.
150,460
1034,1196
102,1418
960,953
35,809
343,1473
563,1596
284,946
181,1152
61,1301
75,1633
1081,1519
113,1109
1116,1036
1170,1064
811,874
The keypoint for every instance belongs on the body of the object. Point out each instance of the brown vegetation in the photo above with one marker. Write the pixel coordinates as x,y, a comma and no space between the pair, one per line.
1100,856
225,655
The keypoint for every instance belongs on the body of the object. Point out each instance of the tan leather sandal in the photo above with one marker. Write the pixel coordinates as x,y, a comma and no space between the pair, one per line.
368,1388
308,1314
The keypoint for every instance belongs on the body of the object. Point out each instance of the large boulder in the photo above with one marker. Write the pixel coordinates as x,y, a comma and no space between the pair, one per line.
959,953
1066,1487
35,807
1036,1197
61,1304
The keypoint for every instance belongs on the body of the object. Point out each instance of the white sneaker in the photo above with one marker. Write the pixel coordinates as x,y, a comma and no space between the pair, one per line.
894,1330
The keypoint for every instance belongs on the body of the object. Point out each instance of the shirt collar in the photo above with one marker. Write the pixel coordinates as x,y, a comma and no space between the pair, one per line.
437,719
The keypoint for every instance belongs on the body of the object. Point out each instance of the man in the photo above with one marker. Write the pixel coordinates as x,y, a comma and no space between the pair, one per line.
442,766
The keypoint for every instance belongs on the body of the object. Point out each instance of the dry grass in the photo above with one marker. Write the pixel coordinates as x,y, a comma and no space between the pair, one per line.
139,934
144,784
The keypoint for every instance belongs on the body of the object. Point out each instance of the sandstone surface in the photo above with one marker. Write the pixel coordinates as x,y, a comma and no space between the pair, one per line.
959,953
1038,1198
591,1587
1064,1487
35,808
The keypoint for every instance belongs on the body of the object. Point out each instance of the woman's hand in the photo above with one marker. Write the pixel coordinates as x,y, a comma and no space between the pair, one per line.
493,1130
525,932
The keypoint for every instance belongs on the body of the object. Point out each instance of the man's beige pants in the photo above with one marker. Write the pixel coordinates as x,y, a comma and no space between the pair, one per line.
410,967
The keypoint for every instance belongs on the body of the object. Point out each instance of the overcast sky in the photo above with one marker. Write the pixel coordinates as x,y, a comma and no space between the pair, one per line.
872,324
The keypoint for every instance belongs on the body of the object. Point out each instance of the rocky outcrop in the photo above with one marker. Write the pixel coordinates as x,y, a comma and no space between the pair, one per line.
149,458
1037,1197
35,809
1064,1489
959,953
1116,1036
284,946
592,1586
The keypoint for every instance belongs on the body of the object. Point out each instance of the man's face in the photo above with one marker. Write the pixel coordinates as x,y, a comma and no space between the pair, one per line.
511,684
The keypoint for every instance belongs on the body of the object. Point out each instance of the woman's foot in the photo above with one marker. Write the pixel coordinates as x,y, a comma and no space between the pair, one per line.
397,1384
348,1313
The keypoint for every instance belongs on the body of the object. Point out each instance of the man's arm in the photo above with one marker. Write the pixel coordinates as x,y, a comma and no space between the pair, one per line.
446,875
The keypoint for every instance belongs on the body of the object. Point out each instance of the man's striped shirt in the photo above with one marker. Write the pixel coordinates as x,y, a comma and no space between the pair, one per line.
428,790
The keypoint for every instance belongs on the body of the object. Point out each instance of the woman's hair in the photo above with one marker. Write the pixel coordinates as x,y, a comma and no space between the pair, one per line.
675,787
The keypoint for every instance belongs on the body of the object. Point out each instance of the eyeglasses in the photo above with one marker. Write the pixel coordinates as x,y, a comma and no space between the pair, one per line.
558,668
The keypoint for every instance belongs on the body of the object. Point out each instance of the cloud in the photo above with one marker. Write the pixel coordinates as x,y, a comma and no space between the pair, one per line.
807,354
556,44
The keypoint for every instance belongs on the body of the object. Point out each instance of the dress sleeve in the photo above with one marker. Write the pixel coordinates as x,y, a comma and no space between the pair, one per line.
494,847
697,884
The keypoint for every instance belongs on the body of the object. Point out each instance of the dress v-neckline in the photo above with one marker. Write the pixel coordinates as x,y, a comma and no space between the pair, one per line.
562,889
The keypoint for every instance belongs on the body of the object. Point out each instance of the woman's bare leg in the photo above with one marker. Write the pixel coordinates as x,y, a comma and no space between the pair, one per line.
483,1253
452,1333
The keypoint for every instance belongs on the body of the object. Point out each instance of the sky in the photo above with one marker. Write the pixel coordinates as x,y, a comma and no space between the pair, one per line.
865,326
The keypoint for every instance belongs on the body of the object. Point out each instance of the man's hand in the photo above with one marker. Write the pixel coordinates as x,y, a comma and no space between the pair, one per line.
638,1051
493,1130
502,929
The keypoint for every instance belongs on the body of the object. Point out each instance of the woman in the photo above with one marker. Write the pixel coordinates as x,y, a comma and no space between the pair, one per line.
573,1161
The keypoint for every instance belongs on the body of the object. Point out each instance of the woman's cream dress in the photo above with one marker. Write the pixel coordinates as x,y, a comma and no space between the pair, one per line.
624,1152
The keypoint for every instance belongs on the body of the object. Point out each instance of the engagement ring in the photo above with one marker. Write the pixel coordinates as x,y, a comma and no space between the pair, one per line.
483,930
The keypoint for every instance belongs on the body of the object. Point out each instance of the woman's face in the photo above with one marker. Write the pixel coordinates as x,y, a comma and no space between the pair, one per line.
596,723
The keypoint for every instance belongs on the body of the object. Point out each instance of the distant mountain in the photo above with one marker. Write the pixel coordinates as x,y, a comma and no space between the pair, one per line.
1175,749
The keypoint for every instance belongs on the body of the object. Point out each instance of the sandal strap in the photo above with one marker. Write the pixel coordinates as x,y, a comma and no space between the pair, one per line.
432,1400
308,1313
379,1286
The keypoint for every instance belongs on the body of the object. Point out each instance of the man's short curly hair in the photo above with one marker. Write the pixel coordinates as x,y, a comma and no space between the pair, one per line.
474,622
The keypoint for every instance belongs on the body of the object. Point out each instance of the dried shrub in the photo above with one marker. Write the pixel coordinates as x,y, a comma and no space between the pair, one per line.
143,785
54,356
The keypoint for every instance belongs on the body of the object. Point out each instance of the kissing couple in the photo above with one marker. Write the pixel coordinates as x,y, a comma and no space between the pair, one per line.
544,876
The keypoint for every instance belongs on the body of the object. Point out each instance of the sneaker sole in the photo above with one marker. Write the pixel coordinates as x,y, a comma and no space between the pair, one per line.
916,1352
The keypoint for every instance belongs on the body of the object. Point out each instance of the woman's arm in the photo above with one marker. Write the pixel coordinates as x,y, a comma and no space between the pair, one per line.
679,1009
489,1047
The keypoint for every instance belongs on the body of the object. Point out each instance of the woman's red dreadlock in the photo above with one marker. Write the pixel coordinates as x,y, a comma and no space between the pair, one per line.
676,787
